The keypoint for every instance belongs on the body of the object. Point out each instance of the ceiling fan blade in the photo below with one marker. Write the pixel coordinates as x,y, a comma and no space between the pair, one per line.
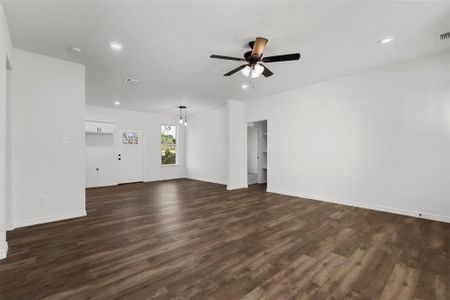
258,47
266,72
235,70
284,57
226,57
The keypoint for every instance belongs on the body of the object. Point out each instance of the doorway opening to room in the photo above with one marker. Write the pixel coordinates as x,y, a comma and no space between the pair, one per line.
257,152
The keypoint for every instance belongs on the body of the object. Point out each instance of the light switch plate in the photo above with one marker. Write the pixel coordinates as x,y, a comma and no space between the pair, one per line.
65,140
43,200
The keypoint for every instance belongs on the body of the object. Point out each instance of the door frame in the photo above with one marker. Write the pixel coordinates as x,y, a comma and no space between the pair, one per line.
245,151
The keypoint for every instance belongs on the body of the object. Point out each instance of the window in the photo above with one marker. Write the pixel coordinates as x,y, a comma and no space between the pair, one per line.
130,138
168,144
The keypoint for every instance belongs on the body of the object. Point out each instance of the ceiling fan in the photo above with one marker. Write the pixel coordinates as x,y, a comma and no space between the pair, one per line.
254,59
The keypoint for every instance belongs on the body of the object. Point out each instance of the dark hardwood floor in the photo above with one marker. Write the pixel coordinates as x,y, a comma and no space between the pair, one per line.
189,239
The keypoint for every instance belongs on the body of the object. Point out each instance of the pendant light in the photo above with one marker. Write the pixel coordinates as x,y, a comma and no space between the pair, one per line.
183,120
181,116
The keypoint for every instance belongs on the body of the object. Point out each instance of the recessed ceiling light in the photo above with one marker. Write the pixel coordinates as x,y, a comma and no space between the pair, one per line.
386,40
244,86
116,103
116,46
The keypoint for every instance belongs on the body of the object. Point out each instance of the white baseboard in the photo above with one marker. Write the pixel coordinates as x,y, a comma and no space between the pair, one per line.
48,219
236,187
398,211
97,186
207,180
3,250
163,178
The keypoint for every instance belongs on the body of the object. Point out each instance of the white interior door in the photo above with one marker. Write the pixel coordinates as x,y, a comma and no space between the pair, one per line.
129,155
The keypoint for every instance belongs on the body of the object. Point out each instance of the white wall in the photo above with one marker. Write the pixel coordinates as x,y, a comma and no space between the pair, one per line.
207,146
237,152
252,151
5,54
378,139
47,107
9,135
150,123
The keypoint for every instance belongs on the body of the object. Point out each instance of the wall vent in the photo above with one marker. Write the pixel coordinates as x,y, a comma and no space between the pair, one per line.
132,81
444,36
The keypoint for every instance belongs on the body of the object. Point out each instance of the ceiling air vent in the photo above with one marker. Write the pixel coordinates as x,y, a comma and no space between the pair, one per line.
131,81
444,36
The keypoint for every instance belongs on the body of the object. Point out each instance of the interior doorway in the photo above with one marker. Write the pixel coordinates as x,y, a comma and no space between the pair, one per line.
129,155
257,152
101,162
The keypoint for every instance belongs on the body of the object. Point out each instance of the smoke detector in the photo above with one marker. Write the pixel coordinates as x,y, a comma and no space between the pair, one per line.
132,80
444,36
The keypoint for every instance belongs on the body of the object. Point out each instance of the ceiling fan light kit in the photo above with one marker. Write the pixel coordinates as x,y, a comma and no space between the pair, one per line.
246,71
254,71
253,67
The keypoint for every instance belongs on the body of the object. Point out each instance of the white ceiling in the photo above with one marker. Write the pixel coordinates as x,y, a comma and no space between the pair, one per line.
166,44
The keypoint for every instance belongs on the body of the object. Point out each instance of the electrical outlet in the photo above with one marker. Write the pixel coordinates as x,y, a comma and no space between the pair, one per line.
43,200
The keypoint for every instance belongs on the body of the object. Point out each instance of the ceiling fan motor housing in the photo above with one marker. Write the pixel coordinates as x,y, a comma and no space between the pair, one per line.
248,56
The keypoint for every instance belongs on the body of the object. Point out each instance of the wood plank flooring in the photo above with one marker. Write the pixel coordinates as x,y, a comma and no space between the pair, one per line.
189,239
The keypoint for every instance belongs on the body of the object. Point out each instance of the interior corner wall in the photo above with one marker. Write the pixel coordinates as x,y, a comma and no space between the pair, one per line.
3,193
5,54
150,123
216,147
48,172
379,139
207,146
8,164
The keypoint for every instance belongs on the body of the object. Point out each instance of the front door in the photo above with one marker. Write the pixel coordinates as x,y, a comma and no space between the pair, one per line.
129,155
